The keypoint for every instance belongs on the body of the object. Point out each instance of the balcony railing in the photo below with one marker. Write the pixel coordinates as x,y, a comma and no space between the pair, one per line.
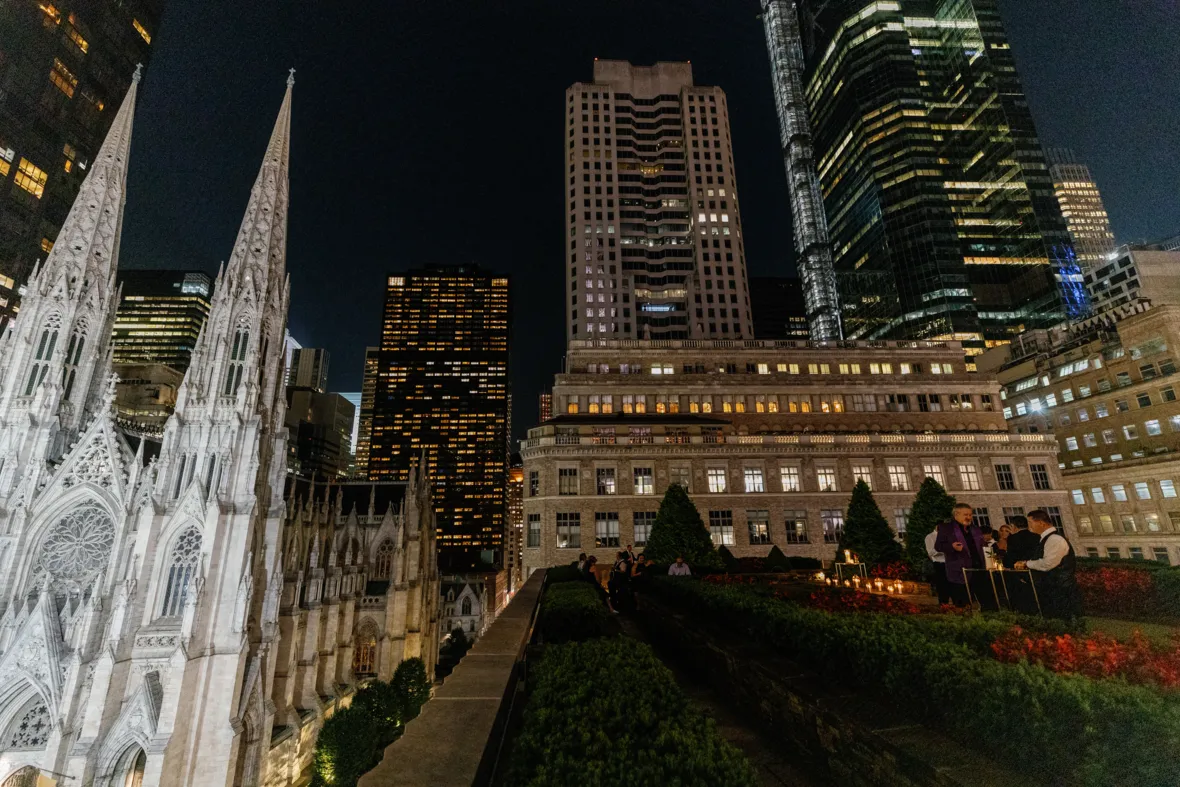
792,439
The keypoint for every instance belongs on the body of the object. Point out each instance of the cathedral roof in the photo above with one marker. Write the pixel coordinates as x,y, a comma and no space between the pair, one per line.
365,498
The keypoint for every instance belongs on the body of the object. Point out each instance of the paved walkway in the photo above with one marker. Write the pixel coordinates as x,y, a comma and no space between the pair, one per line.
773,769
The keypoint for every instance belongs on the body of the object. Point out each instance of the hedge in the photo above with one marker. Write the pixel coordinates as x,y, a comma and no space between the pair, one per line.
572,611
1133,589
608,712
568,573
1089,732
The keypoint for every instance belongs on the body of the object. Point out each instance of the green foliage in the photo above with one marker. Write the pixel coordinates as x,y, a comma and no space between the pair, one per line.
932,506
776,561
568,573
730,562
381,702
411,686
348,745
866,532
1160,603
571,612
679,530
804,563
1073,730
607,712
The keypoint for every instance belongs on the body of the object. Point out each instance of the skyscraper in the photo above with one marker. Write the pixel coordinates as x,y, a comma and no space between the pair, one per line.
365,426
309,369
653,226
1081,206
779,308
160,316
64,66
943,219
442,392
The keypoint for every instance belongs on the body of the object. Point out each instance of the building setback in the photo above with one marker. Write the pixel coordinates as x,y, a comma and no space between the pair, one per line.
442,393
160,316
309,369
1082,208
653,226
1108,389
943,218
64,66
769,439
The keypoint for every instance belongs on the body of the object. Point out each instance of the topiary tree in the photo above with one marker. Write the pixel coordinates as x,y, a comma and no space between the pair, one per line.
776,561
932,506
727,559
411,686
679,530
347,746
379,699
866,532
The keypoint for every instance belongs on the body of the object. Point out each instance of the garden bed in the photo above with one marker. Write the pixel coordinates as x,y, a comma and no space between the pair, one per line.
941,669
1130,589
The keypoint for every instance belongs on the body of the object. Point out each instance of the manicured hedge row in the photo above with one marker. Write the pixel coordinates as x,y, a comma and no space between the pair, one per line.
1133,589
1087,732
568,573
607,712
572,611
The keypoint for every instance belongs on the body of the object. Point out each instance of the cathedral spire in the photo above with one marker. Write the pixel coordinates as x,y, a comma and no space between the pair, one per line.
53,355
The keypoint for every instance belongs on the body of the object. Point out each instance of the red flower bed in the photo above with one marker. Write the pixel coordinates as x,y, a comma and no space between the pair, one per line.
1096,656
898,569
850,601
1117,590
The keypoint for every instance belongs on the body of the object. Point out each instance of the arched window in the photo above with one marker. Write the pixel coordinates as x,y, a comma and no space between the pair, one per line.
75,550
30,727
383,565
45,347
186,554
467,606
237,358
73,355
364,657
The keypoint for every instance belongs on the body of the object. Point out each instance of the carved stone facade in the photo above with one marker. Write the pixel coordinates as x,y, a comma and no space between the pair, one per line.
144,633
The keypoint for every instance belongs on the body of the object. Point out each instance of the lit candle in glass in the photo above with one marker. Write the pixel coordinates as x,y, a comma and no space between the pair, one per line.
879,583
847,555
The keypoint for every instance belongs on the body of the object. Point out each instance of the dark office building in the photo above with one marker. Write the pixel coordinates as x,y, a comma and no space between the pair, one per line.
319,425
64,67
160,316
442,393
778,308
943,219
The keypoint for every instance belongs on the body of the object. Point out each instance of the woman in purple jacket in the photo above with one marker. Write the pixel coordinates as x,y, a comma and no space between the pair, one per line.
962,543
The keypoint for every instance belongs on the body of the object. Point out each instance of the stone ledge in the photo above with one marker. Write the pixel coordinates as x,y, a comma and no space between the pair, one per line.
443,747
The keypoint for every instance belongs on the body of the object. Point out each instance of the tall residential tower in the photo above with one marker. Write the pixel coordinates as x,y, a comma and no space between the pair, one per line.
654,231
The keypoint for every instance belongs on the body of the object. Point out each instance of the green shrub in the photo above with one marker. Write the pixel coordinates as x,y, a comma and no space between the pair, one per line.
411,687
679,530
1096,732
568,573
606,713
805,563
572,612
1107,591
932,506
383,703
728,561
776,562
866,533
347,746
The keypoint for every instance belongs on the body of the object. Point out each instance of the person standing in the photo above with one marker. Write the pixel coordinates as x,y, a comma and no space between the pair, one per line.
1022,543
679,568
939,560
962,544
1053,570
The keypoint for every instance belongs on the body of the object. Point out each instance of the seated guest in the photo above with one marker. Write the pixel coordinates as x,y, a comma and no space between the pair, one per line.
679,568
1053,570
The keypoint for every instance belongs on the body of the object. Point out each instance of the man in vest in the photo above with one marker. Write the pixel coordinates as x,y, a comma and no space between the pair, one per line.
1053,570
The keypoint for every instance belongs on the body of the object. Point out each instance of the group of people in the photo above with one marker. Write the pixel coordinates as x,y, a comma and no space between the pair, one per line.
628,576
960,549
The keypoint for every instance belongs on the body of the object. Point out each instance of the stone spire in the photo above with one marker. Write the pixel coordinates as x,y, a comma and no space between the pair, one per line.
54,355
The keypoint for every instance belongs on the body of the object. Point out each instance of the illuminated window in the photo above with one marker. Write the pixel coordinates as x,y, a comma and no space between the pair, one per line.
716,476
63,78
934,470
644,480
753,479
721,528
969,475
76,37
606,529
825,477
142,32
569,530
606,480
31,178
863,472
643,522
789,476
833,522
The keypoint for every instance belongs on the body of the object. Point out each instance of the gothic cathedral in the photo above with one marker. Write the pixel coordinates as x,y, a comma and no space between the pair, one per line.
155,594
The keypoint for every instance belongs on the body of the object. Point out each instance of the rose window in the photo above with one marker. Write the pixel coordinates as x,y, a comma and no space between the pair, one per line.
77,548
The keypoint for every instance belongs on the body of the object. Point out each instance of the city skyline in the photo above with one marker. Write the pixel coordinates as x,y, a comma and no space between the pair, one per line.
737,64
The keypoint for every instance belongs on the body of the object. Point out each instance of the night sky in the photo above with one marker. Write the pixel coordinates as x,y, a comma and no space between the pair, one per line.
434,133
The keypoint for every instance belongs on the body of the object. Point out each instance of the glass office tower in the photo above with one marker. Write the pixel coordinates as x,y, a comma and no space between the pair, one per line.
943,218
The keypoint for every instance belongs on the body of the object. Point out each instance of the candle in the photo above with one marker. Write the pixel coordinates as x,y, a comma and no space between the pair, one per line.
847,584
879,583
856,581
820,576
847,555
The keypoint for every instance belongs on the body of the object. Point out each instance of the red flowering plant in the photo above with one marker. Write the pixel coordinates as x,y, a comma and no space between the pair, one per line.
897,569
832,600
1118,591
1096,656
